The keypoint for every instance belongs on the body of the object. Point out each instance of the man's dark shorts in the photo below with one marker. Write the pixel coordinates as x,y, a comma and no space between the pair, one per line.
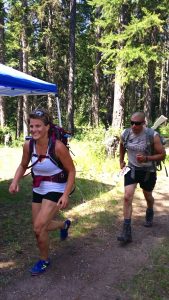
53,196
140,176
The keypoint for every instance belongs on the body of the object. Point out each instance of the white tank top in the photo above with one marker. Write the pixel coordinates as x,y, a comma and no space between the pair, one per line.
46,168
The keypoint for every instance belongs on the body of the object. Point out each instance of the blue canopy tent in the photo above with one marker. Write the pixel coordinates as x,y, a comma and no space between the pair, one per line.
16,83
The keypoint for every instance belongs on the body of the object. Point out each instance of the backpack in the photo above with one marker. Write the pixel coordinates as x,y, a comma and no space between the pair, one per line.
56,133
150,145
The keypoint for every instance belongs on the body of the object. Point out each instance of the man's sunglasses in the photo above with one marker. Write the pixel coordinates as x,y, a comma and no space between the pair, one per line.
136,123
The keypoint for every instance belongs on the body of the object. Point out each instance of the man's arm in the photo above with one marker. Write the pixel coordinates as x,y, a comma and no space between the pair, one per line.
159,150
122,154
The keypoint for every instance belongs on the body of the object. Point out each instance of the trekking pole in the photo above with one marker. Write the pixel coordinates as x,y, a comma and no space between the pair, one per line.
166,170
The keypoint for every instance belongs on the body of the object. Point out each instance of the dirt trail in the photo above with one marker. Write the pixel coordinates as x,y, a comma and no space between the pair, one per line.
96,266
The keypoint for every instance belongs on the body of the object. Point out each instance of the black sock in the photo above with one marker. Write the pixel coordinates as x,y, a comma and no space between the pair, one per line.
150,210
127,221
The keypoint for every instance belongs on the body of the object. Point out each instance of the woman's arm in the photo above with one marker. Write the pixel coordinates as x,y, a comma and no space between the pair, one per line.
14,186
63,155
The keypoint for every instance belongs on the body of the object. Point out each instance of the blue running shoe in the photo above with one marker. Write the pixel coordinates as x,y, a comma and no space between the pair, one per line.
64,231
40,267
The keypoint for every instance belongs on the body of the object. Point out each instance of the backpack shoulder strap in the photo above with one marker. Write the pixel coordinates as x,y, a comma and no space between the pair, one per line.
51,152
125,136
31,145
150,139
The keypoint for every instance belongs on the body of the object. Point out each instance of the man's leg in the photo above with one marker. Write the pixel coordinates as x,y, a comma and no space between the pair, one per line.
147,187
149,212
127,212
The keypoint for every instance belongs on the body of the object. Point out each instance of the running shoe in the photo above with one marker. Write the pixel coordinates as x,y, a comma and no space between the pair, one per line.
40,267
64,231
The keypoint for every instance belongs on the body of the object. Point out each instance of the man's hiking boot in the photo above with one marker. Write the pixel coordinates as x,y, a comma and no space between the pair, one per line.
149,217
126,234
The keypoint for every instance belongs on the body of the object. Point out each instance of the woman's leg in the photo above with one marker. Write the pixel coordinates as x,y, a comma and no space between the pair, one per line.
42,222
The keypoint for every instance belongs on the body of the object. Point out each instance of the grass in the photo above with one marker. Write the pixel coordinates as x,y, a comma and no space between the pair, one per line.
152,282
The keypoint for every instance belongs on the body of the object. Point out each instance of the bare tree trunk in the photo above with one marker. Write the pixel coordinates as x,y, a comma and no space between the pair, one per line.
71,65
96,95
25,66
2,99
118,109
19,117
96,84
49,52
149,103
161,86
119,99
164,88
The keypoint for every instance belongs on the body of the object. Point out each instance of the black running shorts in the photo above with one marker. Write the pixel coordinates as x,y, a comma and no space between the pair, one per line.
53,196
140,176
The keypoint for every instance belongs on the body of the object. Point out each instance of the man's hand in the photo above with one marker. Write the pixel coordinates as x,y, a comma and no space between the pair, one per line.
122,164
141,158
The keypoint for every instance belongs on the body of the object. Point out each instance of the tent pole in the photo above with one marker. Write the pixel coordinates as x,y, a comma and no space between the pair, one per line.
58,109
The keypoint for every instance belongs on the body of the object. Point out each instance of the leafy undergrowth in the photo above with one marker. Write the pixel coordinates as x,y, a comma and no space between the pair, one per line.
152,282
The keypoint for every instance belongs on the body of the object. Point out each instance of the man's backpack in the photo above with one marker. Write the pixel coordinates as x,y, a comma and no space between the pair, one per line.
150,145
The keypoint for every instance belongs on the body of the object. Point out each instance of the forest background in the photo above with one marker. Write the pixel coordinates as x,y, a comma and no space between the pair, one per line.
109,58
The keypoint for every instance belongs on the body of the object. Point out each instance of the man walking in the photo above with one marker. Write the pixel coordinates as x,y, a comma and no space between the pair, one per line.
144,148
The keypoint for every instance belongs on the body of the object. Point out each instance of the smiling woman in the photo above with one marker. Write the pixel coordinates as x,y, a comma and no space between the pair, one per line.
50,194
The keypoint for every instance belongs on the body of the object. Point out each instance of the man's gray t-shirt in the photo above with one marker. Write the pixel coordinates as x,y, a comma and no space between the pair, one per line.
137,144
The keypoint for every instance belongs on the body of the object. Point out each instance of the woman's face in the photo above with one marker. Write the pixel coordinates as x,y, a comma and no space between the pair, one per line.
38,129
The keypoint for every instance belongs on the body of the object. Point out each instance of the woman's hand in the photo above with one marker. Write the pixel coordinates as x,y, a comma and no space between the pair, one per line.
63,202
13,188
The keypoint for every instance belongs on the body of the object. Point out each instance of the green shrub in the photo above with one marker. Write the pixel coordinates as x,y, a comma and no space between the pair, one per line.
4,130
164,130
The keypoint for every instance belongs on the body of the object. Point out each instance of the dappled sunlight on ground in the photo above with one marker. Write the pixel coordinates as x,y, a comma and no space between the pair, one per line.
7,264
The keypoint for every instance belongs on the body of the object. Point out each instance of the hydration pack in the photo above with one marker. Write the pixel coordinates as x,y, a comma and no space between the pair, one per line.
56,133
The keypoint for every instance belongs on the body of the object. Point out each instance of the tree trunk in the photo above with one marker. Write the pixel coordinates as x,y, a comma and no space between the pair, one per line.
2,99
119,99
96,81
49,54
164,88
24,41
118,109
96,93
71,65
149,102
19,117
